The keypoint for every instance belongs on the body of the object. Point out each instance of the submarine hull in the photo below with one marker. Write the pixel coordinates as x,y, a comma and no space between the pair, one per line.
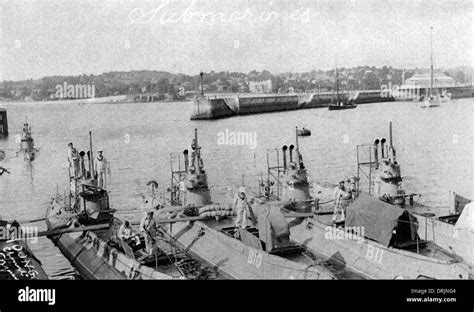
236,260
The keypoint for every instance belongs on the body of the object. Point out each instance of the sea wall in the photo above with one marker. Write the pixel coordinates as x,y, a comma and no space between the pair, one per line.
214,107
221,106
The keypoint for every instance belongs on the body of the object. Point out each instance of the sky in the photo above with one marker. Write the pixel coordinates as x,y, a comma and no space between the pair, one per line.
50,37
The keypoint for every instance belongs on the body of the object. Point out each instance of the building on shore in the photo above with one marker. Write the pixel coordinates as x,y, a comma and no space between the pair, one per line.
418,85
260,86
424,81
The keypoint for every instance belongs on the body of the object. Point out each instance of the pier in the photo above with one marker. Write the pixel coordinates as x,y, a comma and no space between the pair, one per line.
214,107
228,105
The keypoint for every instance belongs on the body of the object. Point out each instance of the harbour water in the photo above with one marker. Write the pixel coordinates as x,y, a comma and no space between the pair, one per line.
434,147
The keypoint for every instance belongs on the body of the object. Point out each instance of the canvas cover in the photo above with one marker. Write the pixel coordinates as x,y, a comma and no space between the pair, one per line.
379,219
460,202
466,219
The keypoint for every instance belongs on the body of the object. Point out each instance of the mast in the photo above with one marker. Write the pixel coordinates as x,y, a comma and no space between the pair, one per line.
91,162
337,84
298,149
431,48
297,144
391,144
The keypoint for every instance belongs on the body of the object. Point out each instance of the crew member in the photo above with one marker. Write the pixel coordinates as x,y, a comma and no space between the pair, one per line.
339,214
101,166
127,234
353,186
240,205
349,191
15,230
73,158
149,228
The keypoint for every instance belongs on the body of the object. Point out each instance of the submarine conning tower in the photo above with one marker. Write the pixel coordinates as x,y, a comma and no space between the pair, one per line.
195,179
295,181
387,173
85,200
26,138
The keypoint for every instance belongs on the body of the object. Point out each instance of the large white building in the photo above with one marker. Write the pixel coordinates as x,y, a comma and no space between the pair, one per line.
424,81
419,84
260,86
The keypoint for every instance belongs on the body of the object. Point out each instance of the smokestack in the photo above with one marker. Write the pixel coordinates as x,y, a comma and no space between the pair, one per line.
382,147
291,152
376,152
284,156
202,82
186,160
83,168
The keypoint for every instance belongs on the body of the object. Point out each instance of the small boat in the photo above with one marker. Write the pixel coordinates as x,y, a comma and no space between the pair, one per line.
434,99
341,106
263,250
430,102
83,227
303,132
17,261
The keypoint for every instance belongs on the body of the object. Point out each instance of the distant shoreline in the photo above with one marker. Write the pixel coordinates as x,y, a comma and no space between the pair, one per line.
118,99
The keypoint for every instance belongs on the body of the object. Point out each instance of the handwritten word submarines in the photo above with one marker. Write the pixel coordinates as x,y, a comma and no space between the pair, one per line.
16,262
192,14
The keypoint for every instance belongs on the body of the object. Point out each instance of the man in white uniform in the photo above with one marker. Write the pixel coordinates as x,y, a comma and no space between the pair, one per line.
339,214
101,166
73,158
240,205
149,229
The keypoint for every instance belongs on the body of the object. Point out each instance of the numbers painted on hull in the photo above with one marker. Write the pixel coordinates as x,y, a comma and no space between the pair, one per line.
255,258
374,253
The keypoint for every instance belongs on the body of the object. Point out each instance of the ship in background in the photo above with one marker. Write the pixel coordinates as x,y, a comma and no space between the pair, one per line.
340,105
434,99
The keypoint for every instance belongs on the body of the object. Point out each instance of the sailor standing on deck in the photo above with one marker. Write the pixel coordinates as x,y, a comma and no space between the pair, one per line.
73,158
148,227
240,205
101,166
339,214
